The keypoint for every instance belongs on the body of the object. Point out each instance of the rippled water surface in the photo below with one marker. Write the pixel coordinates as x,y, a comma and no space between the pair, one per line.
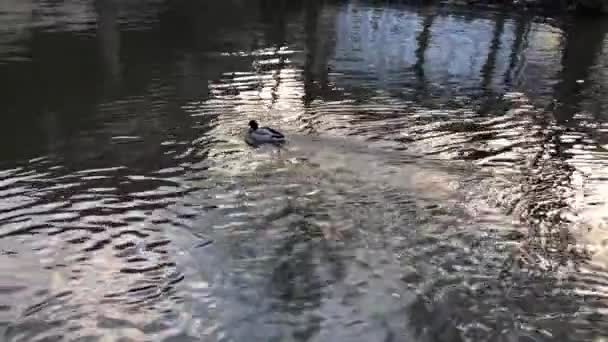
445,177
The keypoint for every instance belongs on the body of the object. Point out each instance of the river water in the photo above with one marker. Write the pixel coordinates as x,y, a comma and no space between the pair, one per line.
445,177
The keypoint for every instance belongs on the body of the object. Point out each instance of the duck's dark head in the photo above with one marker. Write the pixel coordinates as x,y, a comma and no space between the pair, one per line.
253,124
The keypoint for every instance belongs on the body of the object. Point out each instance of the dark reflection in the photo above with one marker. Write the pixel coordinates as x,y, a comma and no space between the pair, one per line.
583,42
521,32
319,44
109,38
308,265
311,24
488,69
276,18
297,287
422,44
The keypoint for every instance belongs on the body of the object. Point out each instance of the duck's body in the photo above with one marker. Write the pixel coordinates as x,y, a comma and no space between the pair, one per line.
263,135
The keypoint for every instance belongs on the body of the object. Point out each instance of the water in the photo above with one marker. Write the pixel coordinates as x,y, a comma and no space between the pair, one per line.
445,178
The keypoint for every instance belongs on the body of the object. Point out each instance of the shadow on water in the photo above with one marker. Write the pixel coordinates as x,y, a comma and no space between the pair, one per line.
423,195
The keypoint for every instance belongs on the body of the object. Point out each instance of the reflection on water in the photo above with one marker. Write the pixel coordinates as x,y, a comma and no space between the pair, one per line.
444,181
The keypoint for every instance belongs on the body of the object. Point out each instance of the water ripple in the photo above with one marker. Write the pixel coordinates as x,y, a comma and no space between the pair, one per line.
416,199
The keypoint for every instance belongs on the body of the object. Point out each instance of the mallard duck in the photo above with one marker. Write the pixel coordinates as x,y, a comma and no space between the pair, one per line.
263,135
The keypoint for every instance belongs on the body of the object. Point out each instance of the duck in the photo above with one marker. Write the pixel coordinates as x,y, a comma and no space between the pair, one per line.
263,135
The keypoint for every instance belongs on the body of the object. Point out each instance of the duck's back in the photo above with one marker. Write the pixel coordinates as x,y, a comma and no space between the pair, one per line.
274,133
